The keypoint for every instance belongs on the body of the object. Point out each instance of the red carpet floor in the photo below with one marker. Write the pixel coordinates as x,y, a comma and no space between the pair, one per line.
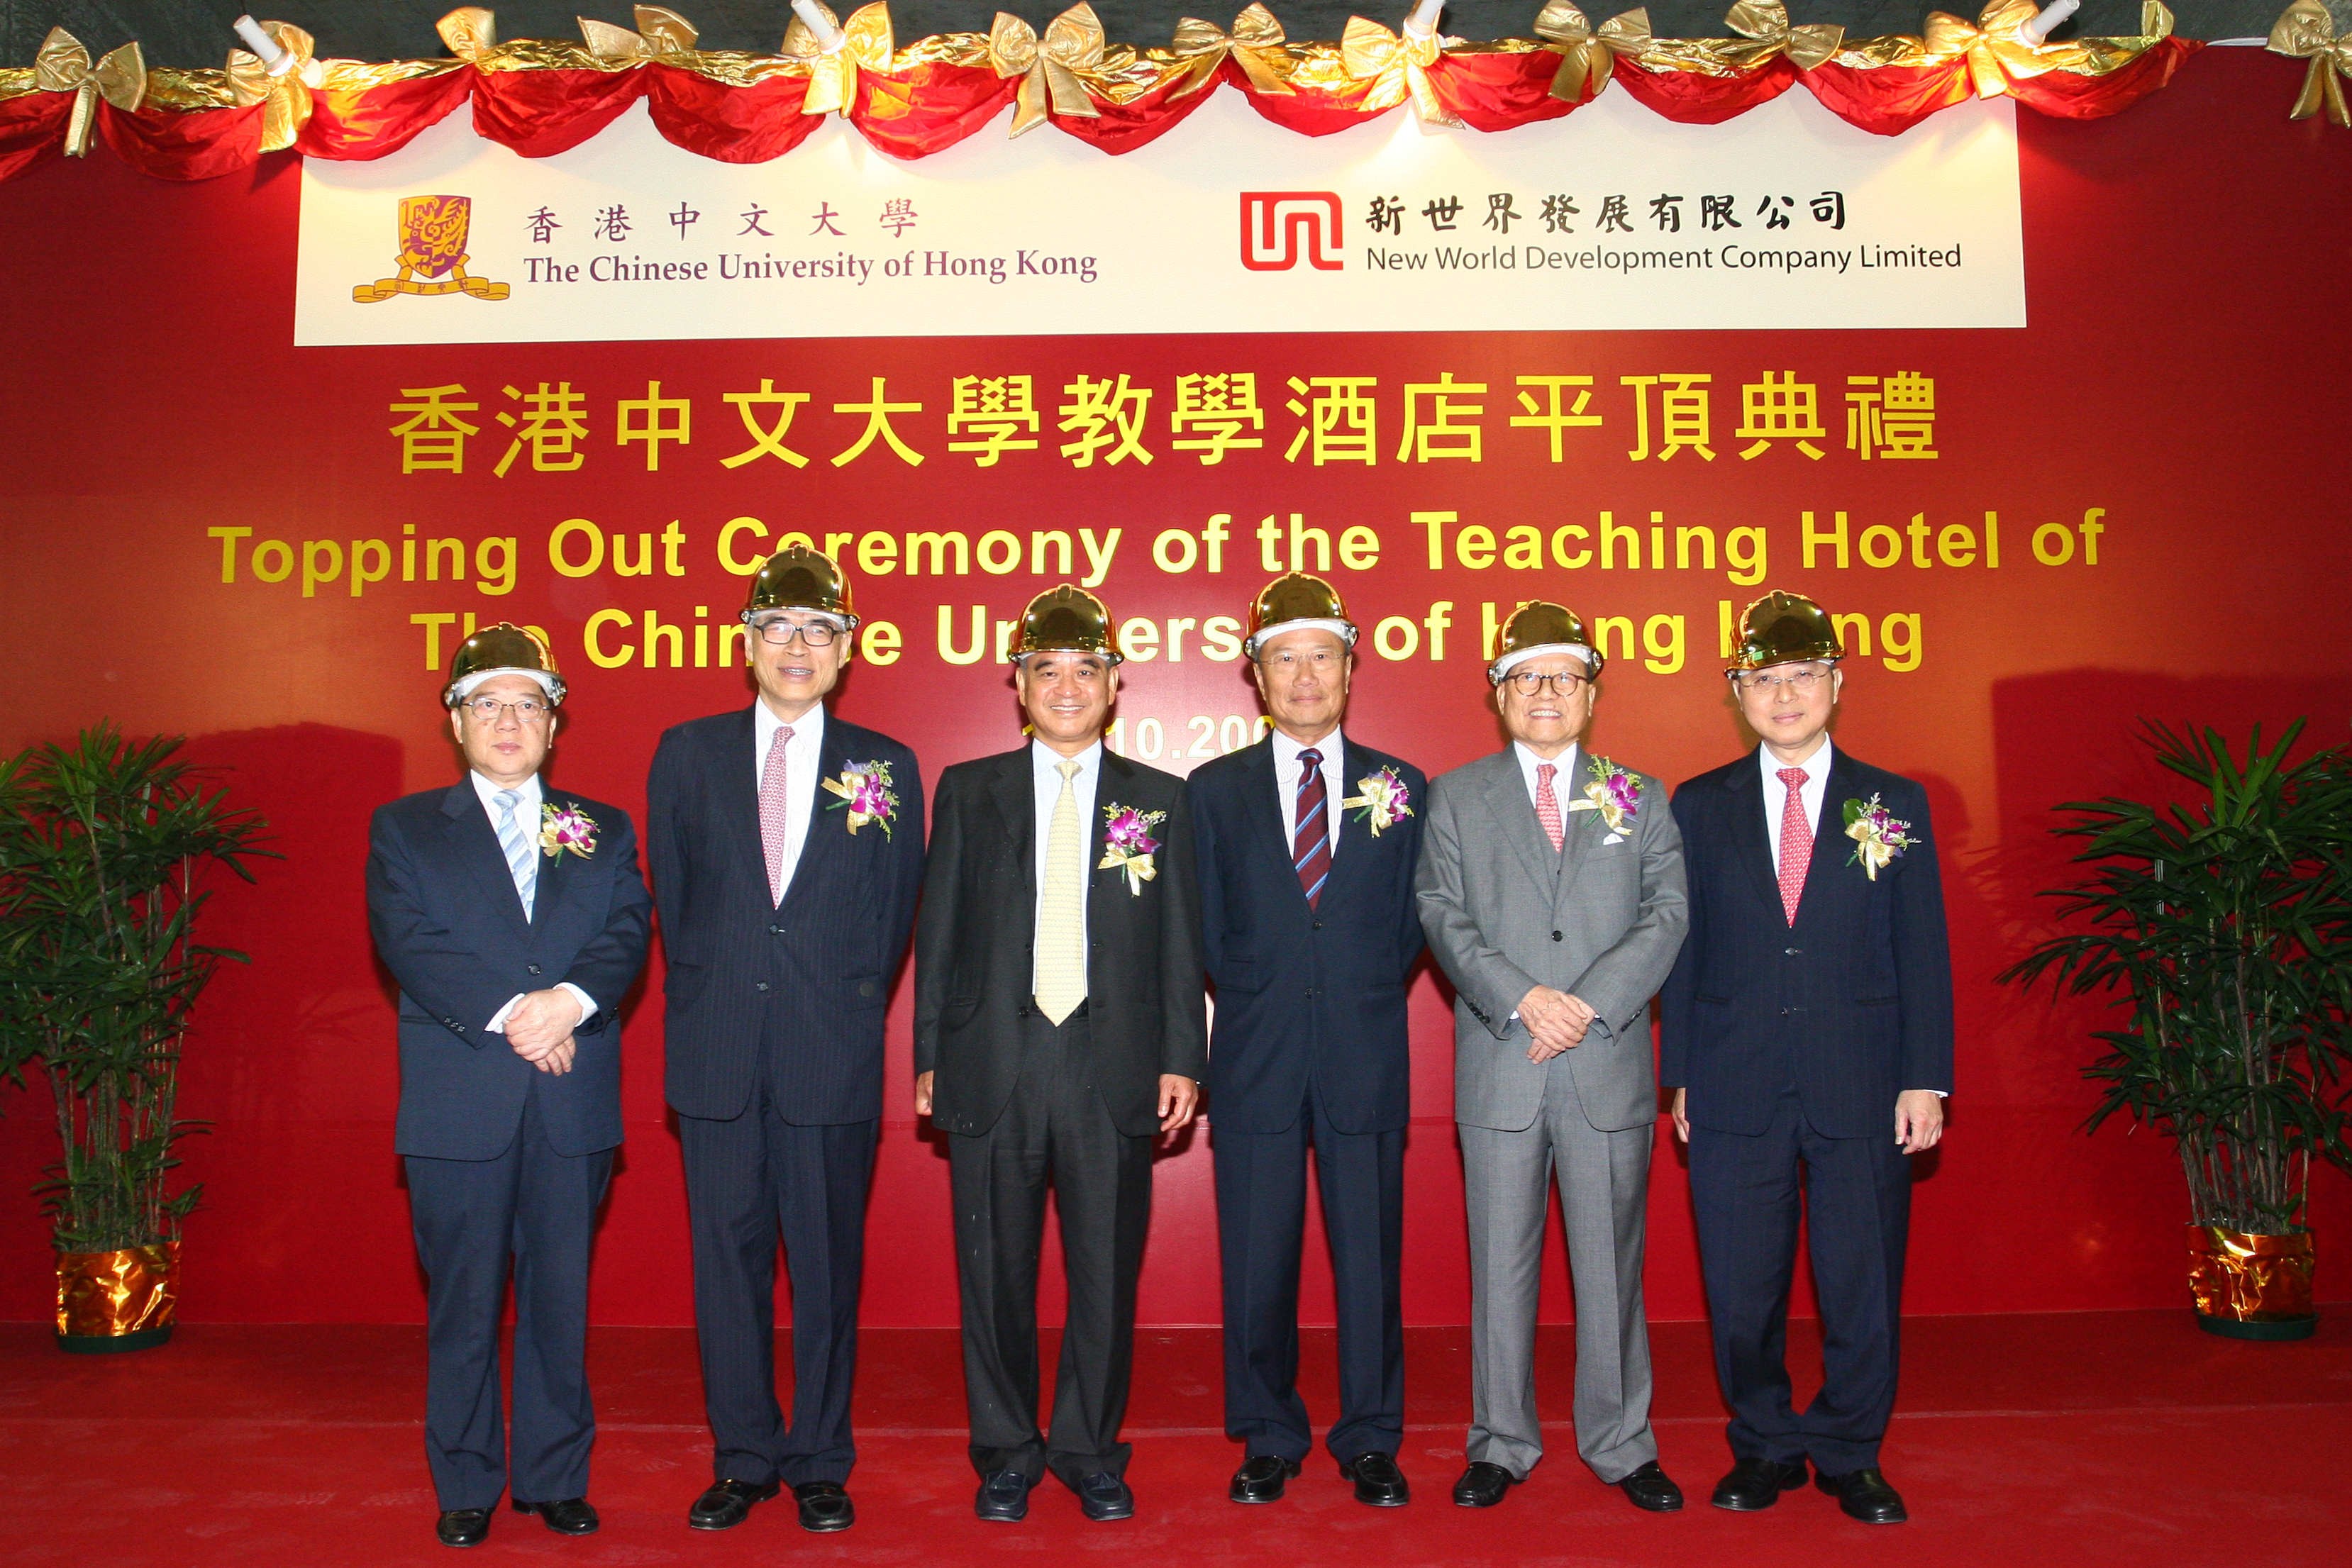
2100,1439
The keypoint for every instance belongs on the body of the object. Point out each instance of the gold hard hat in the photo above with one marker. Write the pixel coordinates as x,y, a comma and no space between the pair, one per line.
504,649
1296,599
1539,626
1067,620
1784,629
799,577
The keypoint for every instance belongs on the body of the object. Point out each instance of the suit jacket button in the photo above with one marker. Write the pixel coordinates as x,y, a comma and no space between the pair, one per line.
1555,936
532,967
1319,925
759,985
775,930
1792,952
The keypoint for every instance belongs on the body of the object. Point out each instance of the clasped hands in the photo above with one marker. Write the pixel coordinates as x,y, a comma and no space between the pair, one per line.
1556,1019
540,1029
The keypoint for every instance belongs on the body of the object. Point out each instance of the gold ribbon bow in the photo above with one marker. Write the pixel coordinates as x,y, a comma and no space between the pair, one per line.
1583,52
1397,65
64,66
1255,45
1767,22
287,94
470,32
1998,53
1048,69
833,77
2305,31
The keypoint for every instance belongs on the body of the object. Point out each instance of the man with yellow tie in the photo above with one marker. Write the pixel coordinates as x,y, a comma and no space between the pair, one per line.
1059,1030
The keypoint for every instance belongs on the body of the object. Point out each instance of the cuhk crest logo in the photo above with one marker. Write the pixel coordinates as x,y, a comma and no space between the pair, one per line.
1281,228
433,234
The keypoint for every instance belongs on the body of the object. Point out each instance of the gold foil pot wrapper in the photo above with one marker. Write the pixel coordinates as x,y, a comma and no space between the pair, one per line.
105,1295
2250,1279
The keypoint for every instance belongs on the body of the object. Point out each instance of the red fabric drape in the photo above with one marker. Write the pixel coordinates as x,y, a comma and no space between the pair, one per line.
199,144
369,122
1124,127
2070,97
32,130
1500,92
928,107
539,113
1891,100
1688,98
731,124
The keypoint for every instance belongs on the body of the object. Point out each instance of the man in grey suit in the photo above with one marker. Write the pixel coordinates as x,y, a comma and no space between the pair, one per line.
1552,889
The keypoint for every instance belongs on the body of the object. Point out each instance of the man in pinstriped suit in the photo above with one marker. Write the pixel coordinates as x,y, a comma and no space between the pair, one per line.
787,849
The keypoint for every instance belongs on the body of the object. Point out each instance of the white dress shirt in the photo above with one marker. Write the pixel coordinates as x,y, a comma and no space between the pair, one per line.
527,815
1776,794
1046,777
1564,787
1286,785
803,755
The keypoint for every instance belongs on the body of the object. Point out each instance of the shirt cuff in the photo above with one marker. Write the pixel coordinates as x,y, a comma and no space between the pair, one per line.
497,1024
587,1003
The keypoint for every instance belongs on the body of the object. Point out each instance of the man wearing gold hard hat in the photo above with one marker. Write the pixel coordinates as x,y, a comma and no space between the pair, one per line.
1307,843
1809,1021
787,848
1551,888
1058,1033
513,915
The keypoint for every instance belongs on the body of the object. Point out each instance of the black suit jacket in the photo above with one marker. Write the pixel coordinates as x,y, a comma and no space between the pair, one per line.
1853,1004
975,945
821,962
1306,994
446,920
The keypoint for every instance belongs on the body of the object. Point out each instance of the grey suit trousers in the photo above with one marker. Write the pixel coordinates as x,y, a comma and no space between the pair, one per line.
1604,1181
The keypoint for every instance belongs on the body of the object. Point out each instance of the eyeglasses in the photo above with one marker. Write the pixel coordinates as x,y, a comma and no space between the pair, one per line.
1314,659
780,631
1527,683
528,710
1799,682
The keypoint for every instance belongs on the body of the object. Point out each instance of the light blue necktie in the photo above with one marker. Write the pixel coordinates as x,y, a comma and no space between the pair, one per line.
522,862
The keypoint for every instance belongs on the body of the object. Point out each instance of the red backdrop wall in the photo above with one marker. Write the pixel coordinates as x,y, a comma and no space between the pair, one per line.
2179,388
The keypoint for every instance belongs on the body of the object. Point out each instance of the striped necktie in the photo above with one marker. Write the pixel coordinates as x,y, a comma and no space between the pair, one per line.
1061,912
522,863
1310,846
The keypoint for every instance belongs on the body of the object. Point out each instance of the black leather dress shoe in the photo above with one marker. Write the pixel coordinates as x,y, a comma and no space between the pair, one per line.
1261,1478
1104,1496
464,1527
1379,1482
1003,1497
1483,1485
1651,1490
1864,1495
727,1504
1758,1483
824,1505
572,1516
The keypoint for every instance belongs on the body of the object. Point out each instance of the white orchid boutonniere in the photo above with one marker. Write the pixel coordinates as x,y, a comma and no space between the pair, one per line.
569,829
1614,792
1878,835
1128,845
1382,799
866,794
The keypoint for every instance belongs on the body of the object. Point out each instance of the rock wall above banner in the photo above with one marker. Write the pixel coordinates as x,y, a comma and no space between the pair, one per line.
542,97
1614,219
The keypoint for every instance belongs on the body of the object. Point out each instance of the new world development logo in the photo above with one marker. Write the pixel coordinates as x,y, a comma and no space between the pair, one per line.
1281,228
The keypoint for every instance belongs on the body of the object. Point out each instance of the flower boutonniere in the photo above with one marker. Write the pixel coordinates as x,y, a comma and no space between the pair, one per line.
1614,792
1878,835
865,793
1128,843
569,829
1383,800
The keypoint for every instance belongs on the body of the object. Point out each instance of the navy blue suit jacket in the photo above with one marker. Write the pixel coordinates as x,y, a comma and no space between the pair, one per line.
1305,994
449,926
1853,1004
821,961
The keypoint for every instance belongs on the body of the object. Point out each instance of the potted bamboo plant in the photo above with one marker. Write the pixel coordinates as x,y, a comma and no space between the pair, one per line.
2224,927
103,848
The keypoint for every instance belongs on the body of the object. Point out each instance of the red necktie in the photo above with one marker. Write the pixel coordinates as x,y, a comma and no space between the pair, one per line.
1796,842
1547,804
776,813
1310,846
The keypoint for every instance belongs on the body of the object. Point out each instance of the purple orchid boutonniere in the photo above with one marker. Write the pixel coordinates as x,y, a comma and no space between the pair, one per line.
1128,845
568,829
1879,836
865,793
1614,792
1384,800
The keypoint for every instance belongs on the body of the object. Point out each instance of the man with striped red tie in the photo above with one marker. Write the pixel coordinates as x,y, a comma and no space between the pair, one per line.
1307,843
